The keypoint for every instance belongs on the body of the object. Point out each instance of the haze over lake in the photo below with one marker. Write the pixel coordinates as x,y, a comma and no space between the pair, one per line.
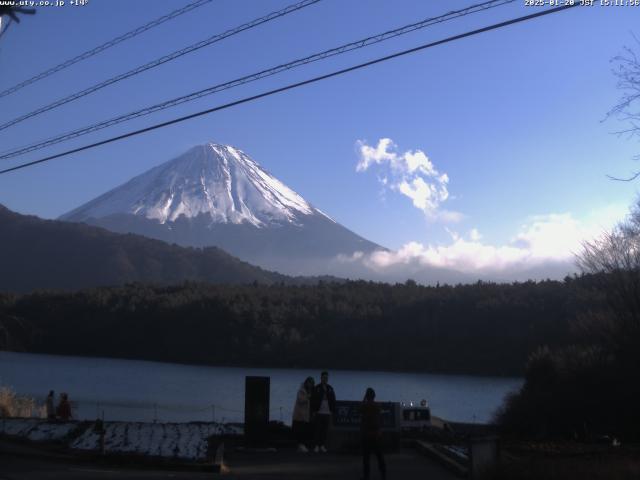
144,391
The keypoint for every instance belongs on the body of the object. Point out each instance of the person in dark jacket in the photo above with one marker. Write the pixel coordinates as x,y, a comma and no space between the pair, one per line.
64,408
323,406
371,434
49,405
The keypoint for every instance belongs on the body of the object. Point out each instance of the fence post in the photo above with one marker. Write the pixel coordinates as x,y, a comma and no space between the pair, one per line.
213,413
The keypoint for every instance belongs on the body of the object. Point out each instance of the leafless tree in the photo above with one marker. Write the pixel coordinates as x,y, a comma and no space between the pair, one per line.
627,71
614,261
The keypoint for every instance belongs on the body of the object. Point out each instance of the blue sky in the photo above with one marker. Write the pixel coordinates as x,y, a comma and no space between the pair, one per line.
513,117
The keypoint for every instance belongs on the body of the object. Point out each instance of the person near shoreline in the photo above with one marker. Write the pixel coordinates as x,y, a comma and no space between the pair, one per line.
301,424
371,435
64,408
49,407
323,406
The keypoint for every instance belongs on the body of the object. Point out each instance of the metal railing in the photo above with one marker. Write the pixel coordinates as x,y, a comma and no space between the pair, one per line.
113,410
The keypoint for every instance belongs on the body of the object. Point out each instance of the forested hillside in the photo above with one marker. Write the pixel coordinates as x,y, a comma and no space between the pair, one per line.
480,329
36,254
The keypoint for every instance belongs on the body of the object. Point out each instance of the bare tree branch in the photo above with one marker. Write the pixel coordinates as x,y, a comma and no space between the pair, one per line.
627,71
614,261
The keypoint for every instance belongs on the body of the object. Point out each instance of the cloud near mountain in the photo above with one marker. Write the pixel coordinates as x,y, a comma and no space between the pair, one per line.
410,173
216,195
543,247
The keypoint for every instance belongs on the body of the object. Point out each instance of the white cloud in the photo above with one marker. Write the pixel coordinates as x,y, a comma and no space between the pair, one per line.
555,236
449,216
463,255
542,243
425,196
412,174
419,161
371,156
474,235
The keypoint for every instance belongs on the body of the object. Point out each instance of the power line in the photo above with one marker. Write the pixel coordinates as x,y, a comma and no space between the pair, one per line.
167,58
256,76
105,46
295,85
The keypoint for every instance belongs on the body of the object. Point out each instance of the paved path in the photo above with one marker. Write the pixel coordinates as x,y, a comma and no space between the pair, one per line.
21,468
404,465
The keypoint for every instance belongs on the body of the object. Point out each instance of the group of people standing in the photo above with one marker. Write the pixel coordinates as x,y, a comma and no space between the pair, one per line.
62,411
314,408
312,412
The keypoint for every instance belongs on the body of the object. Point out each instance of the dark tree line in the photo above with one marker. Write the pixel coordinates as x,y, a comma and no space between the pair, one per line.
49,254
483,328
590,387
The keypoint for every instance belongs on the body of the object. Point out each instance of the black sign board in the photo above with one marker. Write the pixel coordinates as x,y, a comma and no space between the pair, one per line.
348,414
256,408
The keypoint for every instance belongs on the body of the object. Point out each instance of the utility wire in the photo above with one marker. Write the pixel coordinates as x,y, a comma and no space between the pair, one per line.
256,76
294,85
159,61
105,46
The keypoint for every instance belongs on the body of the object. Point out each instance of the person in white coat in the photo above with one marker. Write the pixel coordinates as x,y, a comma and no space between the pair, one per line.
301,421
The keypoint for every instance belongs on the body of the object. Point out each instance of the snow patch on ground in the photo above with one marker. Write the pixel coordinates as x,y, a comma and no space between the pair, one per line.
185,441
36,430
51,431
18,426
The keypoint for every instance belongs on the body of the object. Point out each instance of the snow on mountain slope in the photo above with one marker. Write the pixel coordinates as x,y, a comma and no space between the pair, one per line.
216,180
215,195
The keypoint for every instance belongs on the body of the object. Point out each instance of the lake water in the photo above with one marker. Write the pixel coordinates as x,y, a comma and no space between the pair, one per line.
146,391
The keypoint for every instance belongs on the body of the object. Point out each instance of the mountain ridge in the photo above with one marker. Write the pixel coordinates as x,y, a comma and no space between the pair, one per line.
216,195
52,254
219,180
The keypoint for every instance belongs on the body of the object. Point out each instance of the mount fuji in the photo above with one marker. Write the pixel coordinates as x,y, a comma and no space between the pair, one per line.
216,195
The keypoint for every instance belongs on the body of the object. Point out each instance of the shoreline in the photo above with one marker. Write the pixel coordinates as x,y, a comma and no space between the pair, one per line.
271,367
146,391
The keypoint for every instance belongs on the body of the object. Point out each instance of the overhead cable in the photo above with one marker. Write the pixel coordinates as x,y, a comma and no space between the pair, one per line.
159,61
294,85
101,48
365,42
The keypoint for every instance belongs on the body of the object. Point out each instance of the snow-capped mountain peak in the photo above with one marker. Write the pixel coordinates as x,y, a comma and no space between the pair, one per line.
216,180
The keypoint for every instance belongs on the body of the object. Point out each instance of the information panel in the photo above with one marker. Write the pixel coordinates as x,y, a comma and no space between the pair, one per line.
348,414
